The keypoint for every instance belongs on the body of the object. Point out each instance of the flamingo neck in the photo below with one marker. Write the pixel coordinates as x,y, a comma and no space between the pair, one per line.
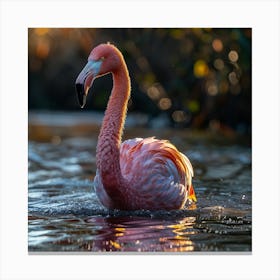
109,140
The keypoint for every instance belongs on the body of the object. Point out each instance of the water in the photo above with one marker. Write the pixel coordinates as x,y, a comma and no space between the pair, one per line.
65,215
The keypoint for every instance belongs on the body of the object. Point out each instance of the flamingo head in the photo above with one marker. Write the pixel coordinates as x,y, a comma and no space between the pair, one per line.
103,59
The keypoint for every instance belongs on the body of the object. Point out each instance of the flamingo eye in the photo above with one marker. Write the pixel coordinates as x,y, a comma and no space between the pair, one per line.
102,58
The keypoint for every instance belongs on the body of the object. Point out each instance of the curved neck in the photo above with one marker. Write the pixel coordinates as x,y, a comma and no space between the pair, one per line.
109,140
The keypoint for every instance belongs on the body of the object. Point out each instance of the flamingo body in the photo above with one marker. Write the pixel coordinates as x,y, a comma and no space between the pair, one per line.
138,173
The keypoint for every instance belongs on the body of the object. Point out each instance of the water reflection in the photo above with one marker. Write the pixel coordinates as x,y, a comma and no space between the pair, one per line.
138,234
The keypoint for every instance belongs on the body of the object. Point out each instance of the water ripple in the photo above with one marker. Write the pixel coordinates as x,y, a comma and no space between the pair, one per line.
65,214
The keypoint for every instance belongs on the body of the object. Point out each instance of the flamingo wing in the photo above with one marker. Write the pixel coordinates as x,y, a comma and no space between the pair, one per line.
157,174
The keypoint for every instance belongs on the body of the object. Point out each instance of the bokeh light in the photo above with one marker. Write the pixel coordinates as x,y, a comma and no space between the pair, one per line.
179,116
219,64
233,78
153,92
164,103
193,106
233,56
217,45
42,48
191,76
41,31
212,88
200,68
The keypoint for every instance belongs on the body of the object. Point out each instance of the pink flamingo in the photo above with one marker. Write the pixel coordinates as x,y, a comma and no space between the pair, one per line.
138,173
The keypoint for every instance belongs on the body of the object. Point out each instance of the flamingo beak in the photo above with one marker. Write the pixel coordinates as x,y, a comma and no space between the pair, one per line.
191,194
85,80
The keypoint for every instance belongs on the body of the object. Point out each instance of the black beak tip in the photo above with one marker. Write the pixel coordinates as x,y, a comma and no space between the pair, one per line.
81,94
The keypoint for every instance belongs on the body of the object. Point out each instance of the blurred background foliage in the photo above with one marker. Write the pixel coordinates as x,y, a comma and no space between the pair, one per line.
198,77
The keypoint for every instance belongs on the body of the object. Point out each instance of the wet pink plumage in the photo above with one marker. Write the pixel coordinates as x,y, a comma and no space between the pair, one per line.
138,173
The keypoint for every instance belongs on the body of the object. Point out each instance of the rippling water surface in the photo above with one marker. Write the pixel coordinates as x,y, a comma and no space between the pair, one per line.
65,215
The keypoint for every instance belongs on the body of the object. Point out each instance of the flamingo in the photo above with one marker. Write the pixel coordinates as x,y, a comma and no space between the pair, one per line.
139,173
